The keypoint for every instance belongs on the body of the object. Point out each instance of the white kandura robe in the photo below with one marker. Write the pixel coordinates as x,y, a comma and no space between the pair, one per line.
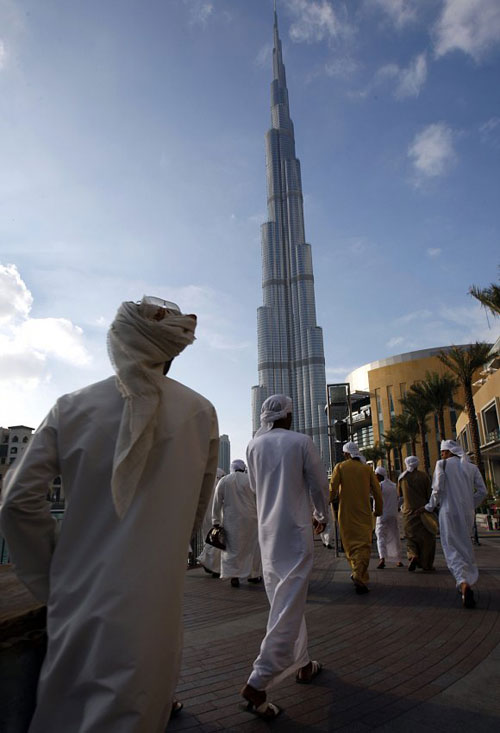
288,477
458,488
113,588
210,555
386,526
235,500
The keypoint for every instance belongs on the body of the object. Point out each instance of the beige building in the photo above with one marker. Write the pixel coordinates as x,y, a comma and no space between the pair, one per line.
387,381
487,405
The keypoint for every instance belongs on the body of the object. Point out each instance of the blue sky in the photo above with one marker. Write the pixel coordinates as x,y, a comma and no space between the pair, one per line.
132,161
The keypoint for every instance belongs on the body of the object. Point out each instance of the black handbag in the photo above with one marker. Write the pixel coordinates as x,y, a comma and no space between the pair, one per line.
217,538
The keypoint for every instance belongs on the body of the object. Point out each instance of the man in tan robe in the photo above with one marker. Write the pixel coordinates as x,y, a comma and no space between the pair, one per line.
415,488
353,482
137,454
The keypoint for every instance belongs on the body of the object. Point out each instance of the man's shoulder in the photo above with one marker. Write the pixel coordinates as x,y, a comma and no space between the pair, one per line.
96,390
174,388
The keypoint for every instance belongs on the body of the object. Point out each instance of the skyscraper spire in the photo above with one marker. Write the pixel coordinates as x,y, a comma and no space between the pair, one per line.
290,344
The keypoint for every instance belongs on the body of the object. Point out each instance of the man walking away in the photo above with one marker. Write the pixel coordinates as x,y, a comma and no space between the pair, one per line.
209,558
415,488
137,455
458,488
288,477
353,482
386,526
235,501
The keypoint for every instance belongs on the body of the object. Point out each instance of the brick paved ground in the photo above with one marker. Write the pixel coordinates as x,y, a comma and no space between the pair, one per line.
406,657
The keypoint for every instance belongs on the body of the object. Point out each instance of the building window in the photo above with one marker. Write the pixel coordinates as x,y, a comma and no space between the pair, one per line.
13,450
390,400
379,414
25,439
490,423
15,439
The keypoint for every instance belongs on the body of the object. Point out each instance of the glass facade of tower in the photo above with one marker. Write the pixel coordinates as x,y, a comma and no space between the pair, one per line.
290,344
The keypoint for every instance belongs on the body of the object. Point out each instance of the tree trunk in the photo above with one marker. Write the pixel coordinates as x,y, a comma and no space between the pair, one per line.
440,416
474,430
389,464
400,455
424,452
414,446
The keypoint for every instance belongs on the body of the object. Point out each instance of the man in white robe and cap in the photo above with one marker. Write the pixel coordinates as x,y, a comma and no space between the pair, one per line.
289,480
457,488
137,454
386,525
234,507
209,557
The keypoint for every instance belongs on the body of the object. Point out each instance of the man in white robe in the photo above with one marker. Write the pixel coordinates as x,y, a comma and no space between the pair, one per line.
457,488
386,525
137,454
234,507
210,556
289,480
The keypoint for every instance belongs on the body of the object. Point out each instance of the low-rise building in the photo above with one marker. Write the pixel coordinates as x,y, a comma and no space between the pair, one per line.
487,407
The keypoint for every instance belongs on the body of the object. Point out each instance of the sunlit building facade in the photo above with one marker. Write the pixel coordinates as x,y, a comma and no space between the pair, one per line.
290,343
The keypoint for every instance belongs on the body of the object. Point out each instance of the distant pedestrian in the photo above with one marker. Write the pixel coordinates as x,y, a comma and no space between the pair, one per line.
137,455
289,480
457,488
234,507
415,488
386,526
354,483
210,556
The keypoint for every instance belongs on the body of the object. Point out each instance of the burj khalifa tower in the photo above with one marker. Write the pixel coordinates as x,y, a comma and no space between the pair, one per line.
290,344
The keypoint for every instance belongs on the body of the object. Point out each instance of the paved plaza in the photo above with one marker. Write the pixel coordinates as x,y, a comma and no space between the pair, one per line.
406,657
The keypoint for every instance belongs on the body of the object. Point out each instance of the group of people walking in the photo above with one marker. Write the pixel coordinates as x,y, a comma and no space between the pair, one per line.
137,454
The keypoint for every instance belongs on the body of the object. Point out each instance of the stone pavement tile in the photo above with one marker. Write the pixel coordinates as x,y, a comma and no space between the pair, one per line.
386,659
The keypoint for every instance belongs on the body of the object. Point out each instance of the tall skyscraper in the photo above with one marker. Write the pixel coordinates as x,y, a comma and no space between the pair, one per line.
290,343
224,453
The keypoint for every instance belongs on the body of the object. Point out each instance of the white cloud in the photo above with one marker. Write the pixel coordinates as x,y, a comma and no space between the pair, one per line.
3,55
395,341
444,325
30,346
342,67
15,298
432,151
434,251
263,58
400,12
200,11
409,80
471,26
490,132
316,20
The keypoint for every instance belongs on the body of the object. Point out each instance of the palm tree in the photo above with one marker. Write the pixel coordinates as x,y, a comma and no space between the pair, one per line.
408,425
438,390
388,447
395,438
488,297
464,361
374,453
416,406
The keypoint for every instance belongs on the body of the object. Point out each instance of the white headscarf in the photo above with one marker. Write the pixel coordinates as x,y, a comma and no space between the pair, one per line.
411,463
454,448
274,408
381,471
138,348
237,465
352,449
